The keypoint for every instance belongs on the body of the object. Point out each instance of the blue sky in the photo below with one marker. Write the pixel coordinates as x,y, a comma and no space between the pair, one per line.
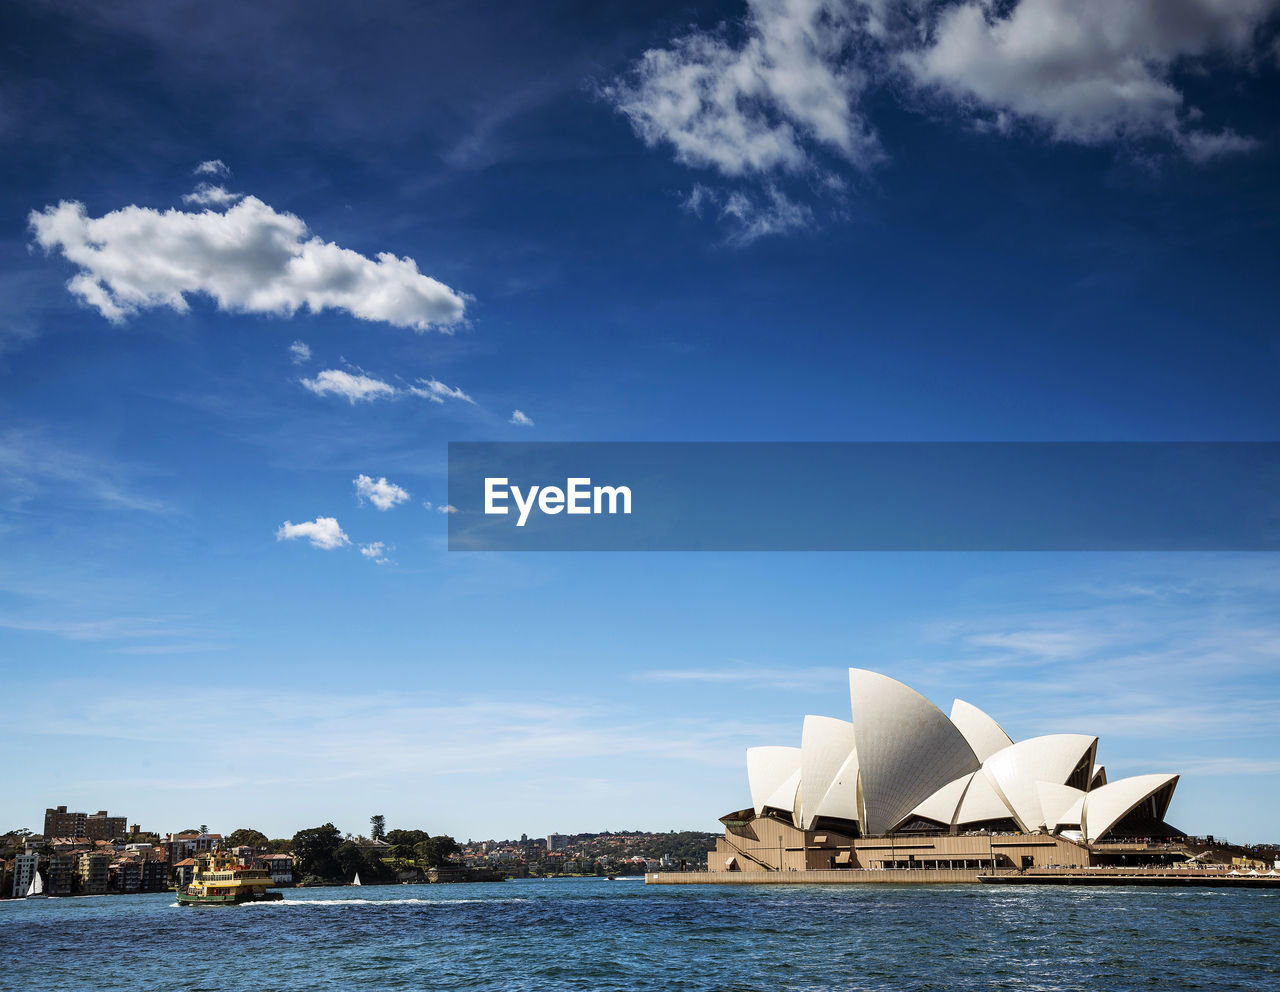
804,220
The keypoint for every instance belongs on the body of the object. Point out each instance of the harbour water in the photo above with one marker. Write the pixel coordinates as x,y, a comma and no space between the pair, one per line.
604,935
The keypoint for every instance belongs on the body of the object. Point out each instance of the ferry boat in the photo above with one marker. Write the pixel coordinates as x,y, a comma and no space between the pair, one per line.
220,881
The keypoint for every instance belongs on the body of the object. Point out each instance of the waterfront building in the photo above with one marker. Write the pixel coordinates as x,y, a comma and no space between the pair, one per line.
184,872
180,847
155,876
557,842
904,786
25,866
281,868
93,872
59,823
100,826
94,826
60,875
125,875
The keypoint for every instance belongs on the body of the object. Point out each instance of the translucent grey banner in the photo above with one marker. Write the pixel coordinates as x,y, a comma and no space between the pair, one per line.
724,496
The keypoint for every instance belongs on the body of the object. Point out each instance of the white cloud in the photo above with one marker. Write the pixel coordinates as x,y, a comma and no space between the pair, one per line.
356,387
520,419
1054,645
213,167
1088,71
249,259
447,508
208,195
750,216
1201,146
300,352
381,493
780,95
323,532
750,677
437,392
375,551
759,104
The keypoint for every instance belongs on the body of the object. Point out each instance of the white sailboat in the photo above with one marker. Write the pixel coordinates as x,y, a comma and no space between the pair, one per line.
36,889
356,880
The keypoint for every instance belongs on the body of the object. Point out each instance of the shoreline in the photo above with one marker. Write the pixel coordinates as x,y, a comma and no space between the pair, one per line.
1162,877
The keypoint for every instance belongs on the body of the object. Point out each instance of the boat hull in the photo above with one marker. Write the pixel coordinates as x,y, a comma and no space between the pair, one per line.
229,899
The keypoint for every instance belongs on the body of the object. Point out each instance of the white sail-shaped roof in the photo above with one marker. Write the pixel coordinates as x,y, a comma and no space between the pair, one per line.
768,771
900,758
907,748
984,735
786,797
1056,801
1015,771
981,803
941,807
1106,806
842,801
828,770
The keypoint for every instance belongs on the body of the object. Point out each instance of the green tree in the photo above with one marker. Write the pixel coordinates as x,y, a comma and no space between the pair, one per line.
247,837
435,851
403,842
377,826
316,851
350,859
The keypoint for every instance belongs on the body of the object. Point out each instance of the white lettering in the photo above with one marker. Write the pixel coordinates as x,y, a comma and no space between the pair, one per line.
613,492
552,500
524,506
578,497
492,493
578,491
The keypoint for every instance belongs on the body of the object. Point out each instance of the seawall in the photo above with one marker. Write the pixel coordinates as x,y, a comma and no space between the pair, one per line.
839,876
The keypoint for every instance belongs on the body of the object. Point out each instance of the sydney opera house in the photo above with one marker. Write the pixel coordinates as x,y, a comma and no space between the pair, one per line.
904,786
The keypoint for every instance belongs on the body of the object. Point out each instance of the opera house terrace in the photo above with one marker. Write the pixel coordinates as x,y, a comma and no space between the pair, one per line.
902,792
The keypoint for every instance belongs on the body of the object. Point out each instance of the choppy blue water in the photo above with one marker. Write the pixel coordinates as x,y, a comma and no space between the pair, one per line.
588,934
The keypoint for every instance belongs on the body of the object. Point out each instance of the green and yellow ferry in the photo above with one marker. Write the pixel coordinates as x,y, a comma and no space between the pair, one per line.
219,880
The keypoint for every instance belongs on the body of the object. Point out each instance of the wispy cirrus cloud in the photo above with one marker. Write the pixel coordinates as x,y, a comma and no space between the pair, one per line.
104,629
358,386
212,167
412,731
437,392
747,676
248,258
209,195
35,465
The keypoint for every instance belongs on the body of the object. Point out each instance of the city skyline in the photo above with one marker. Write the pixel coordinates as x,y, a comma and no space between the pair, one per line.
259,268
